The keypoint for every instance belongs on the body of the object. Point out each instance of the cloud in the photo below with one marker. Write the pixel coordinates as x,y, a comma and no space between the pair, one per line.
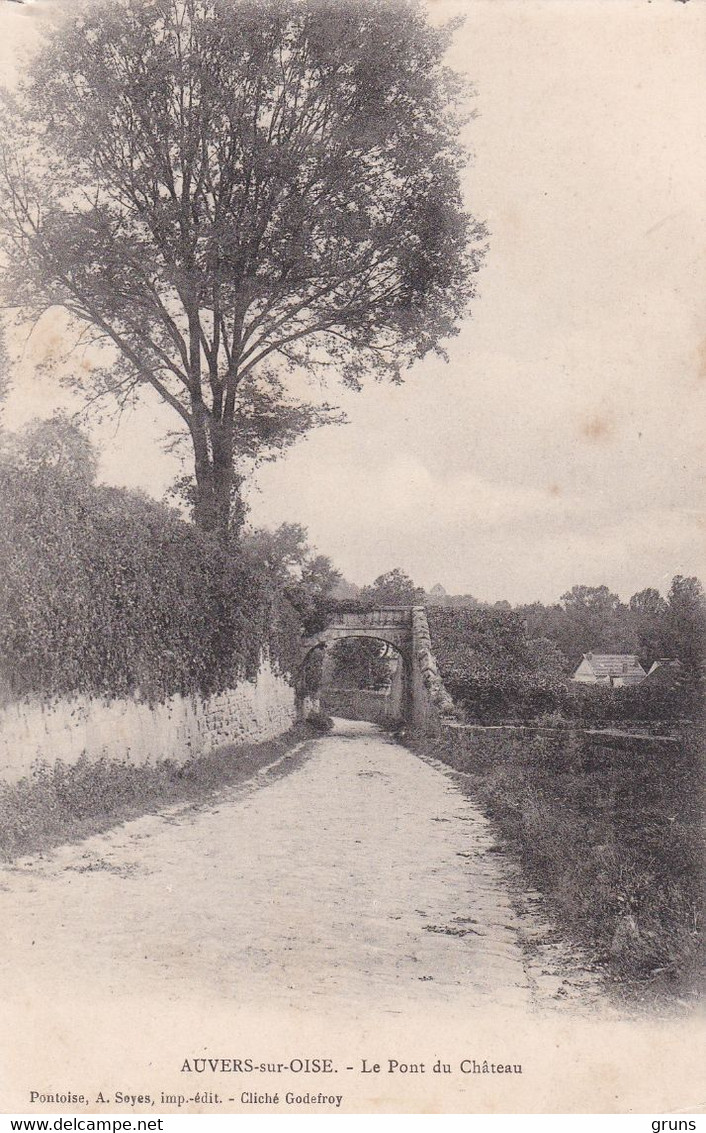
495,539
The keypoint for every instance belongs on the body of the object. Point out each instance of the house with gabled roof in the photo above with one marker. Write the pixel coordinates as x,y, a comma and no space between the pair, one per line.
666,666
613,669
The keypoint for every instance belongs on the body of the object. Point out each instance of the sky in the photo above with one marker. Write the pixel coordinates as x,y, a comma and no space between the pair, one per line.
562,442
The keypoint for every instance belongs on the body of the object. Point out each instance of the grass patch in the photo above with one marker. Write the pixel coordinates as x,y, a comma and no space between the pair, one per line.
610,832
65,803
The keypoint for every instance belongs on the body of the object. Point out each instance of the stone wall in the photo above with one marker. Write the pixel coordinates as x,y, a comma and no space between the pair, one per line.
467,746
431,700
358,704
34,731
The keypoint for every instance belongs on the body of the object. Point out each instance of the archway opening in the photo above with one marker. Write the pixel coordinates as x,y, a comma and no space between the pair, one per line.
364,678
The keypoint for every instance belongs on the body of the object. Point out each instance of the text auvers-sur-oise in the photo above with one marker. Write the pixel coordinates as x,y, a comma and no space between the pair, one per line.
326,1066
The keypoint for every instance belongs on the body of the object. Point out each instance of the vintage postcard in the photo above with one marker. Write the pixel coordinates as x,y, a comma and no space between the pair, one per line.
352,619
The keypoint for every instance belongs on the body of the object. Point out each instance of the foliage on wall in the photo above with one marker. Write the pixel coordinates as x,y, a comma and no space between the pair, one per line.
107,592
491,666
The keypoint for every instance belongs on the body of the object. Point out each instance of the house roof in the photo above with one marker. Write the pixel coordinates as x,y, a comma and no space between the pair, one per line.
614,664
665,663
666,672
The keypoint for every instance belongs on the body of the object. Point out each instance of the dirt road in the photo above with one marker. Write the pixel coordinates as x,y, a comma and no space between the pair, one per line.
363,876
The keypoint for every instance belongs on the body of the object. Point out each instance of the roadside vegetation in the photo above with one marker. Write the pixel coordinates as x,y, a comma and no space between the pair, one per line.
65,803
106,592
611,834
598,791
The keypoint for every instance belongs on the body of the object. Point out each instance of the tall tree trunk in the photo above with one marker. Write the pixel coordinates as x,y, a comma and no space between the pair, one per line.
217,507
205,512
222,450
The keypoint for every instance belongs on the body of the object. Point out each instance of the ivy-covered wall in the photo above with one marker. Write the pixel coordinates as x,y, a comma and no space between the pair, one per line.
127,634
108,594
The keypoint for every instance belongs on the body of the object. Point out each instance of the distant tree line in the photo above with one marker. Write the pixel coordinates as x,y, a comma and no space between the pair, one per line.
501,662
585,619
593,619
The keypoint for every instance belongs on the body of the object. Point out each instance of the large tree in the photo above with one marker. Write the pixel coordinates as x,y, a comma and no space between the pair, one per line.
225,192
686,624
647,613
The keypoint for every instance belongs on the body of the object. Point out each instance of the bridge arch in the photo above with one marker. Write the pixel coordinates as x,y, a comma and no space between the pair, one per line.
406,628
393,626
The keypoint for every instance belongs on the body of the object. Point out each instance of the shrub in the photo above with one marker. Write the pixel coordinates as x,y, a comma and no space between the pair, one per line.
650,702
490,665
320,721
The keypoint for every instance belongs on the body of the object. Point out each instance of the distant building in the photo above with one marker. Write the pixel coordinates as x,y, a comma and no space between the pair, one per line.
666,673
613,669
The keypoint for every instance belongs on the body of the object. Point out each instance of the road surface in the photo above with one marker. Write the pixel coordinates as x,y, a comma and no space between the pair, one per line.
364,876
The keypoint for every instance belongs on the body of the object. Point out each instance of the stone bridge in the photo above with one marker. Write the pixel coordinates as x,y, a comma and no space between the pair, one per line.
424,700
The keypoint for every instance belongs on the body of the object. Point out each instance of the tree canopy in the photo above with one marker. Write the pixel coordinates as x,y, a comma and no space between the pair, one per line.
54,447
492,666
395,588
225,192
294,567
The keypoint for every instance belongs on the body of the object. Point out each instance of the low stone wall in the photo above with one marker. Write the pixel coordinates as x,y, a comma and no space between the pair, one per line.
467,746
34,731
358,704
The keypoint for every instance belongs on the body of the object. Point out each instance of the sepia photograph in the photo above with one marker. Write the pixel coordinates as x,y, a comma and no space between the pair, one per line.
352,609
